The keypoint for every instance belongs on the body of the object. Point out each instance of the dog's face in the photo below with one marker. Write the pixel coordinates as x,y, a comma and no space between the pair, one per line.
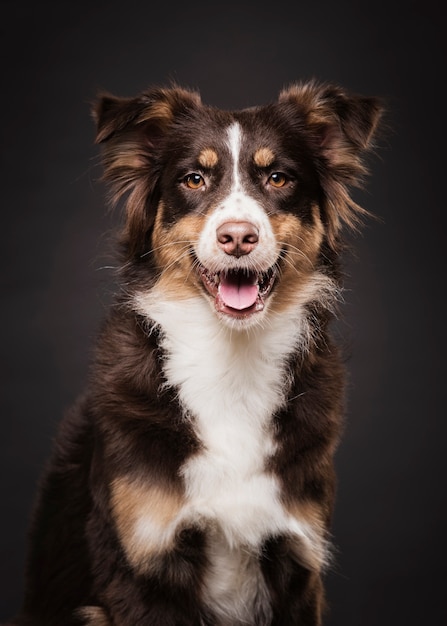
238,215
242,207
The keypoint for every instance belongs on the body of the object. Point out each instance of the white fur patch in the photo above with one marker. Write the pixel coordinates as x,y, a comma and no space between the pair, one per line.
235,584
230,383
238,206
234,144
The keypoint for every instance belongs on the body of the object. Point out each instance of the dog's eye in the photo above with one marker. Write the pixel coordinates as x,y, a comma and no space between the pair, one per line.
277,179
194,181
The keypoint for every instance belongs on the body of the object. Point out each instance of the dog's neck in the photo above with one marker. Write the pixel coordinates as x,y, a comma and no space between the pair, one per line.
215,368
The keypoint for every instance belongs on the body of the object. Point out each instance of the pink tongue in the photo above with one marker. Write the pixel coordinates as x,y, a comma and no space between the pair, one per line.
238,290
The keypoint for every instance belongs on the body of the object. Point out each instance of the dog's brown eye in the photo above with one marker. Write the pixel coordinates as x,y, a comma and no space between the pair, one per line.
194,181
277,179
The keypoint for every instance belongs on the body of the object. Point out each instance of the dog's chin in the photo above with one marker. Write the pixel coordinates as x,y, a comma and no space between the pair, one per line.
239,296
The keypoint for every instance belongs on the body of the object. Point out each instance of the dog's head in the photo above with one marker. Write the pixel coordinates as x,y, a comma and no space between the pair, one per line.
245,206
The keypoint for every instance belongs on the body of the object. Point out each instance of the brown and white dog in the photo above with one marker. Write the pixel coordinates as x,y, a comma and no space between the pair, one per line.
193,483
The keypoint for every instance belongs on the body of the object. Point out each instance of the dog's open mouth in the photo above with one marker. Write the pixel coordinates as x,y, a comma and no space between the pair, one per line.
238,293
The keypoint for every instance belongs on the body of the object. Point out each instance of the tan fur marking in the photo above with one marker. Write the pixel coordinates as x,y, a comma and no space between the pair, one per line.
93,616
143,514
208,158
158,110
172,247
313,553
302,243
263,157
126,156
309,512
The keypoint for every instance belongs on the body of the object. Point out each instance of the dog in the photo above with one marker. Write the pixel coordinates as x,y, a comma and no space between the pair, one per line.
193,482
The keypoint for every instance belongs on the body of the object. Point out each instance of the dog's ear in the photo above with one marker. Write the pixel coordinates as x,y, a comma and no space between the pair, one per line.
130,131
341,128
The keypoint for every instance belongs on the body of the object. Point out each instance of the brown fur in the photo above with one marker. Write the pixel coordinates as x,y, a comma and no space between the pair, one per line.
114,540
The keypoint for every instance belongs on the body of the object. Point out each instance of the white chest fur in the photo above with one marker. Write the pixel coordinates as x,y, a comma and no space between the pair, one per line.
229,384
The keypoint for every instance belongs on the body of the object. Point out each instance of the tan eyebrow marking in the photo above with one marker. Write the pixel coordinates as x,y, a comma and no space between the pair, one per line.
264,157
208,157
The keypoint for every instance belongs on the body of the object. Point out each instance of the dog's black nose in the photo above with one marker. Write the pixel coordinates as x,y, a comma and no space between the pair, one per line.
237,238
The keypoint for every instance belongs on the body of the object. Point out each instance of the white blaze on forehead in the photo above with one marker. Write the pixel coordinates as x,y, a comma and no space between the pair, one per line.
238,205
234,144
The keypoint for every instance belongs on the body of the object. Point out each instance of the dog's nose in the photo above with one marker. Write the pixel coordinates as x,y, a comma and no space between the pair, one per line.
237,238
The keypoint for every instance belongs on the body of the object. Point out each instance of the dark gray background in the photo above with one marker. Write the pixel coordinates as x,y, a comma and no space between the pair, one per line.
391,510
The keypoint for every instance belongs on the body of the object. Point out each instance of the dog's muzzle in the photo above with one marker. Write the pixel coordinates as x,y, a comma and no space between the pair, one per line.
238,292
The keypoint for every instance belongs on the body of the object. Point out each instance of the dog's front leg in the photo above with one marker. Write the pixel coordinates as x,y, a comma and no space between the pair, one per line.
144,588
296,590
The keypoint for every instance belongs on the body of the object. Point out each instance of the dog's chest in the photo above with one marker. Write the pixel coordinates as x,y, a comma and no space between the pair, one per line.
229,385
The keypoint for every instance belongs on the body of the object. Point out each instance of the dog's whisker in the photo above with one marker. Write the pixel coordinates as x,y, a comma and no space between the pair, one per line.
165,270
291,249
169,244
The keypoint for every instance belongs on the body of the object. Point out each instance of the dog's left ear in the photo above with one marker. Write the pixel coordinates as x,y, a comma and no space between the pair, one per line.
340,128
131,131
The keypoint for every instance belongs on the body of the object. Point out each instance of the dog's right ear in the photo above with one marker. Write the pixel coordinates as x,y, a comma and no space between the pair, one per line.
113,114
156,108
130,130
